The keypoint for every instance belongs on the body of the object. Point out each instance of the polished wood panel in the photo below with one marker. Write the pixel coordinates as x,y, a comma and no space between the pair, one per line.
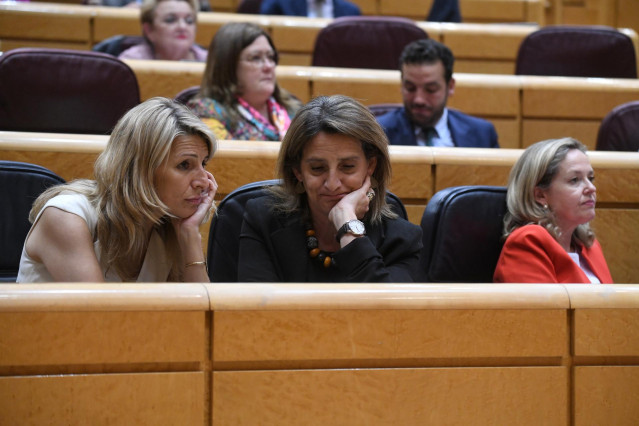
45,22
552,108
472,10
535,130
524,109
606,395
617,231
294,36
76,338
479,396
627,14
386,353
614,13
407,336
140,399
593,337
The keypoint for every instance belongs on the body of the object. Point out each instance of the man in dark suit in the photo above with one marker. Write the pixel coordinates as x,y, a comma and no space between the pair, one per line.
444,11
427,81
310,8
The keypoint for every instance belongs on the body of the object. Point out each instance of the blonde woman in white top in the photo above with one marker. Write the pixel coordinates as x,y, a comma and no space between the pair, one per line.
139,219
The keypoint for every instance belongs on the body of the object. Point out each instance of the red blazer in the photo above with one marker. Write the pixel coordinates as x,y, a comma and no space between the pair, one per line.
532,255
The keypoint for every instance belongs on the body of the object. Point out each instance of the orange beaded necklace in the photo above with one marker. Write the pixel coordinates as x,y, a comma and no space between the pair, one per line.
312,244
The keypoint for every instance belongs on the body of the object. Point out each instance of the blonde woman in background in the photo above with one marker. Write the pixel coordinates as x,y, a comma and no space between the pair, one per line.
139,219
551,200
168,27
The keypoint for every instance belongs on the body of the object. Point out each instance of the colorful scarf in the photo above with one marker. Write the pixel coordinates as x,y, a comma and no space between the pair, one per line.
278,114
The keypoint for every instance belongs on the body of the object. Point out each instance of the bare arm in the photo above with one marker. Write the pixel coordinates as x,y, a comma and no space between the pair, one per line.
63,243
190,239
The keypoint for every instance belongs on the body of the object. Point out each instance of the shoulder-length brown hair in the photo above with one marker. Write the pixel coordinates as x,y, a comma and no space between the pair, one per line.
333,115
219,81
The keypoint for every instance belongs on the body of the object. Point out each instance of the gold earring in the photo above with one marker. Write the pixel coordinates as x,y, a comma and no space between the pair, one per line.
374,183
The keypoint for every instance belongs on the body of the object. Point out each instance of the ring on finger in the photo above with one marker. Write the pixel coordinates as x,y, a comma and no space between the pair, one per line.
370,194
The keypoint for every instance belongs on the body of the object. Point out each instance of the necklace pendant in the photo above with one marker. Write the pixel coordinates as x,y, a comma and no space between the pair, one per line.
314,252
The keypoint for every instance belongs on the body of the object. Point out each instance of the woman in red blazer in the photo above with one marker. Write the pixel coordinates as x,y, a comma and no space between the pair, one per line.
551,199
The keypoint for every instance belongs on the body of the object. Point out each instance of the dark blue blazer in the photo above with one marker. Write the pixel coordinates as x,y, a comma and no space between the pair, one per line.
466,131
300,8
444,11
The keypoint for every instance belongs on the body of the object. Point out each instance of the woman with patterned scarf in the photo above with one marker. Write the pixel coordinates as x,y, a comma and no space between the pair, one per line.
239,97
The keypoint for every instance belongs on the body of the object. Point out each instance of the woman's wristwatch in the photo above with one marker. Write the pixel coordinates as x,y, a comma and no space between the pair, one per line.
354,227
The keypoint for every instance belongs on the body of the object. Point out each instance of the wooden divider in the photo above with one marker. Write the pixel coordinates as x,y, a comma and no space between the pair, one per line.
614,13
471,10
551,108
317,354
76,26
479,48
418,172
524,109
27,24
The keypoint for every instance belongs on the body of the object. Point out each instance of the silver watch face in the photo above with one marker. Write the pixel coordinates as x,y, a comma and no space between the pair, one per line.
357,227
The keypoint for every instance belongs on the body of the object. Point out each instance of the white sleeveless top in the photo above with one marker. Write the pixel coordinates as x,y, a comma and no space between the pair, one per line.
155,267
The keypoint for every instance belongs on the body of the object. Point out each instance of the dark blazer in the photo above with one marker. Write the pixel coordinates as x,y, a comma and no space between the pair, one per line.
444,11
300,8
466,131
273,249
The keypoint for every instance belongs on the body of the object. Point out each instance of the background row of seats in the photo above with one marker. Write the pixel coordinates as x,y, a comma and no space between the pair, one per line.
69,91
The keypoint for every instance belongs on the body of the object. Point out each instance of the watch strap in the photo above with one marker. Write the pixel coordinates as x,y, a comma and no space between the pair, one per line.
346,228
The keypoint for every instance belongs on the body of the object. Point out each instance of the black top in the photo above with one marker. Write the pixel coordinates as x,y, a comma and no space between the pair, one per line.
273,249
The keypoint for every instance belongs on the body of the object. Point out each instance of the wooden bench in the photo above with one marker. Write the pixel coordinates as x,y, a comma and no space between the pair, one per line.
613,13
478,48
356,354
494,46
524,109
471,10
418,172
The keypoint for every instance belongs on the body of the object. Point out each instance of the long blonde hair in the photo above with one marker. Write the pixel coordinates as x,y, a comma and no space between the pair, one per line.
537,167
123,191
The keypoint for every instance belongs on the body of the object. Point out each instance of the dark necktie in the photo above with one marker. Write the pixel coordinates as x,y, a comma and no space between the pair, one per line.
429,134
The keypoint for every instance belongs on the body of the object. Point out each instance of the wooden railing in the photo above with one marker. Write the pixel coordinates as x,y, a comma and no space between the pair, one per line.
472,10
287,354
524,109
478,48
